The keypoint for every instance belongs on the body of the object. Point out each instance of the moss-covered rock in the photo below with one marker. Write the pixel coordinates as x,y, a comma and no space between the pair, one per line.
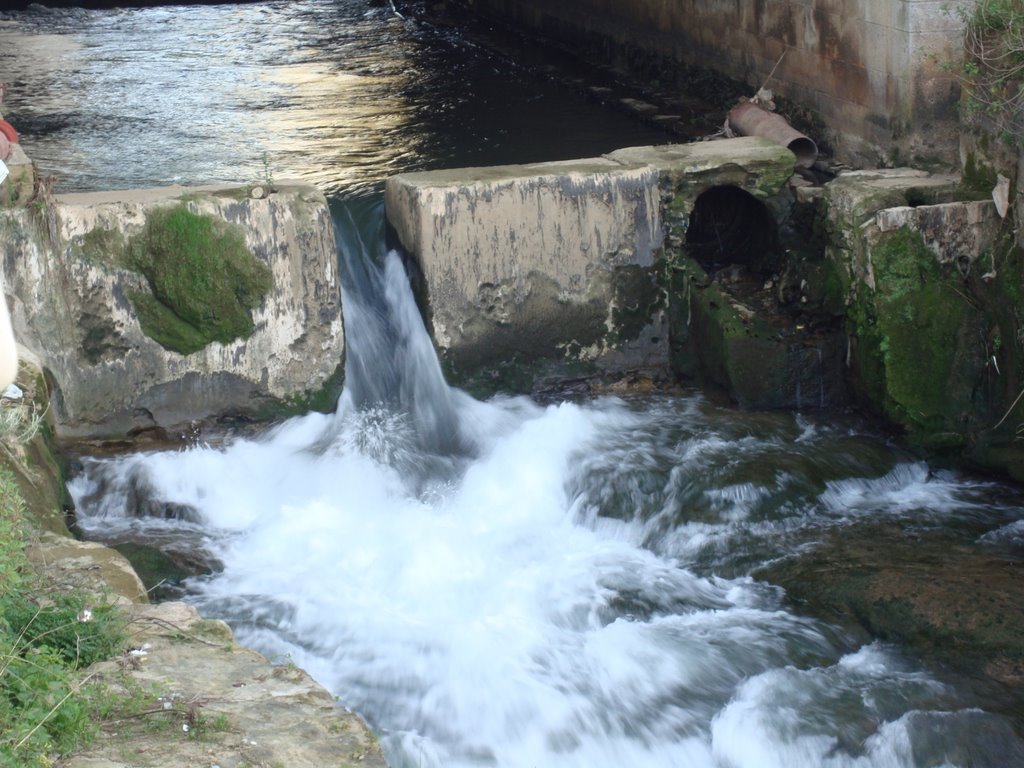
192,264
205,281
928,304
917,351
322,400
943,596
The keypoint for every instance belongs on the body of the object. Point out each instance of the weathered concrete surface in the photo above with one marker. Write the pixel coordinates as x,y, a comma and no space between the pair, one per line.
925,343
562,261
725,327
553,260
854,199
958,232
755,165
872,69
207,701
67,292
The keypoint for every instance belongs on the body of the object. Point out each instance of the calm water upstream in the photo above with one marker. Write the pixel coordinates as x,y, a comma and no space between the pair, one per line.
494,583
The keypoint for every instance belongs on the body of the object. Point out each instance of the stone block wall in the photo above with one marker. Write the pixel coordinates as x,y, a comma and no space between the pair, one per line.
559,268
931,319
69,290
548,260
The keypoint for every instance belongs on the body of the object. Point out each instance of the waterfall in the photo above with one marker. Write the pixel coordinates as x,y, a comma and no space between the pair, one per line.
504,585
390,359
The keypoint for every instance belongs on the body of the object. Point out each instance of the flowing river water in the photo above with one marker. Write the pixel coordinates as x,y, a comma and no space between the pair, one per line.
500,583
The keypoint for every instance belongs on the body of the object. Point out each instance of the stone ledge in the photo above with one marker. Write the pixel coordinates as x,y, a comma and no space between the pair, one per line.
267,715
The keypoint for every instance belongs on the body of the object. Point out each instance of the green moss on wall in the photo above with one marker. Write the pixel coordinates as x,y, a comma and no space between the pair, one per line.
637,298
160,323
916,341
104,246
723,343
867,360
204,280
832,282
322,400
978,178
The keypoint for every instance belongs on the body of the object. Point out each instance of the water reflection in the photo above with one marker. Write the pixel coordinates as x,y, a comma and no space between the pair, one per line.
338,94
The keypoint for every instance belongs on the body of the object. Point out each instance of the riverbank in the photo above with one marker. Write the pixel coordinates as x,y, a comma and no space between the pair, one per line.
180,691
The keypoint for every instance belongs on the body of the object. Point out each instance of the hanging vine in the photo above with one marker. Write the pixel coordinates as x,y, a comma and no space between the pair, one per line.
993,68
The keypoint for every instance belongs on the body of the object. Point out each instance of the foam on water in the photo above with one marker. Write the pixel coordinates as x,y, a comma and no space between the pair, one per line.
500,584
482,626
489,584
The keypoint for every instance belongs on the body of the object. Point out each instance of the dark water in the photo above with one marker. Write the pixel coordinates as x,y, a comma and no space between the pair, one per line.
339,94
503,583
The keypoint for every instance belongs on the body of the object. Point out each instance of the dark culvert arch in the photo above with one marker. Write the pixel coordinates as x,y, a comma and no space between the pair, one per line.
729,226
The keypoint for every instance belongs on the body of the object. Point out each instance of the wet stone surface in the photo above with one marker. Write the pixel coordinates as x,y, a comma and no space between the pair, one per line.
225,705
957,602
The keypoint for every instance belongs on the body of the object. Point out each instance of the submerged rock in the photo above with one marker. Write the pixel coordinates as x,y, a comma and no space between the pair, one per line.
955,601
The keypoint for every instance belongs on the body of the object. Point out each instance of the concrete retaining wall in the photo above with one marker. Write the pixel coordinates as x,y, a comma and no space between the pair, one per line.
561,262
872,69
67,289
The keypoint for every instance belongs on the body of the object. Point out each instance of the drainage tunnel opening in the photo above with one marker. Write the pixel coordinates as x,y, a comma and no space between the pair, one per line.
729,226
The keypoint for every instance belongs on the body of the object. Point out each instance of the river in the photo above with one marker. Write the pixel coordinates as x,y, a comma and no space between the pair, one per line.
579,583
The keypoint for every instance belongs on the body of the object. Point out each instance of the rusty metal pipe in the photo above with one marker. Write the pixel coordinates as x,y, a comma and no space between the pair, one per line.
750,120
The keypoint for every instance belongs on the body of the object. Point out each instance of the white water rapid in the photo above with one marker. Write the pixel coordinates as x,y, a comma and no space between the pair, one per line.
504,584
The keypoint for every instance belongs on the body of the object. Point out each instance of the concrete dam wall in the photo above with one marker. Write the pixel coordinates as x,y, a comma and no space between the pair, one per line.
713,263
127,343
557,269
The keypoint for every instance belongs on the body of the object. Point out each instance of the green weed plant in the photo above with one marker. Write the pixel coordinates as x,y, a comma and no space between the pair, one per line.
48,636
992,72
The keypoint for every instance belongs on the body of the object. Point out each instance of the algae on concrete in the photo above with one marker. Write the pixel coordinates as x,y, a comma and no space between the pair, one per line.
76,293
928,303
205,281
731,323
916,336
759,356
